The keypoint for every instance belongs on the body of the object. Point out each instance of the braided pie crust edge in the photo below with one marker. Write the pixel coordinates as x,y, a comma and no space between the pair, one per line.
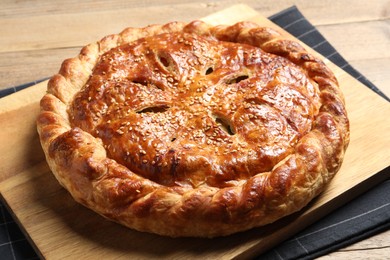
80,163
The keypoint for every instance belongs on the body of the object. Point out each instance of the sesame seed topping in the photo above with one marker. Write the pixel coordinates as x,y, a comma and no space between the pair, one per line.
189,99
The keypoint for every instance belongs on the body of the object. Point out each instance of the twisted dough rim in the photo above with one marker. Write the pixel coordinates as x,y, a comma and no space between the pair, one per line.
79,161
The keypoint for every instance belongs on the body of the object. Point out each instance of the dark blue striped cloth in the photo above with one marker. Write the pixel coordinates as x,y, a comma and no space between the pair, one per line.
8,91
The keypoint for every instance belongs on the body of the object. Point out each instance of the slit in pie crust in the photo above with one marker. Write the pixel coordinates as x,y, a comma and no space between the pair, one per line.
192,129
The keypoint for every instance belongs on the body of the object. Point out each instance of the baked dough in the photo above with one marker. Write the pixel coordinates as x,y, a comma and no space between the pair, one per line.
194,130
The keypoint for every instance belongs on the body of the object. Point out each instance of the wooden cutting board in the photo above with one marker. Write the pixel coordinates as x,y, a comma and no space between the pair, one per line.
60,228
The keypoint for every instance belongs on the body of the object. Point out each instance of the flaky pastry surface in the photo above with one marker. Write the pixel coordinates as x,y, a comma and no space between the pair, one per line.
192,129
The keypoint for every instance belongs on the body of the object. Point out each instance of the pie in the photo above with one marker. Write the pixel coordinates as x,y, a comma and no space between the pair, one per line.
194,130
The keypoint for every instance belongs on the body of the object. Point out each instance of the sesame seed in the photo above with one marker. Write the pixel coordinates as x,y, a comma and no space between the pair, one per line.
120,131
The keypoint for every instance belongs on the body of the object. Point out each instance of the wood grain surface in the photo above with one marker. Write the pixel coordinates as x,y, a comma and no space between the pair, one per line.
358,29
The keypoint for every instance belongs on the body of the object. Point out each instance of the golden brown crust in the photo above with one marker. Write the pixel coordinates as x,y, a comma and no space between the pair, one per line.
194,130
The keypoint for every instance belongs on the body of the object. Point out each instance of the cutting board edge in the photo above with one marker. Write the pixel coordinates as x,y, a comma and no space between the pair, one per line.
21,226
28,95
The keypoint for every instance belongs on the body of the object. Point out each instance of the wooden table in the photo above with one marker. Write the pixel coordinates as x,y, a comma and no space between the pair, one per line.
36,37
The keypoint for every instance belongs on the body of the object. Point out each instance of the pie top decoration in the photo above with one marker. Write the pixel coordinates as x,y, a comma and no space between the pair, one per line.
192,129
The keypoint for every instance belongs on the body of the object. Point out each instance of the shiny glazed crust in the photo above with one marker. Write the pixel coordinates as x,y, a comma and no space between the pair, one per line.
192,129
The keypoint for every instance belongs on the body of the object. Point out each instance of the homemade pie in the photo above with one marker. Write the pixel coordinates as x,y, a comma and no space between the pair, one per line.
192,129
